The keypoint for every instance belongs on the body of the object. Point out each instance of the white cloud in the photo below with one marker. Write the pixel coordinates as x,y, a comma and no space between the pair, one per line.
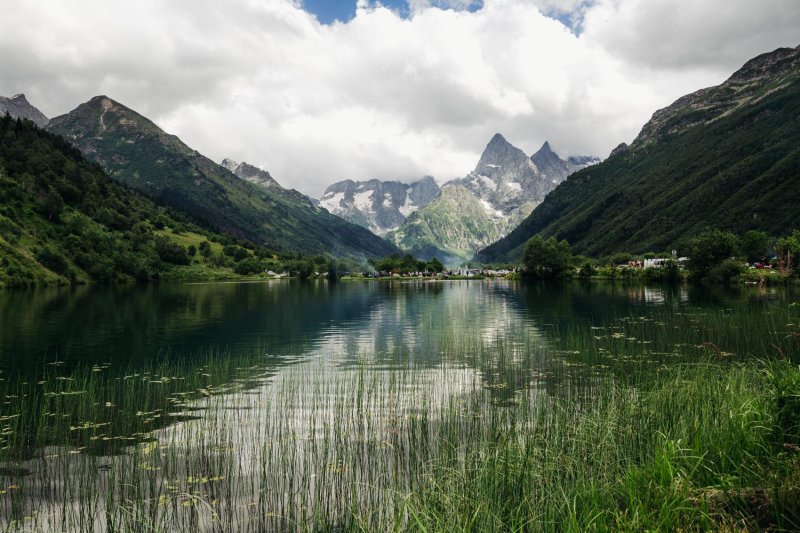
381,95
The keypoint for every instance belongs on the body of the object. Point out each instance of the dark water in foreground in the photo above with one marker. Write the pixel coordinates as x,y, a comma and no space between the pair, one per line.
136,324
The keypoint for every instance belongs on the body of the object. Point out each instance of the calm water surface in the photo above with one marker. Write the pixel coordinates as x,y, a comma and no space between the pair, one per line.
134,325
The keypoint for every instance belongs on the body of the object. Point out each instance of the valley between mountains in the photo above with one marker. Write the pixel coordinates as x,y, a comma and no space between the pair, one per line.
724,157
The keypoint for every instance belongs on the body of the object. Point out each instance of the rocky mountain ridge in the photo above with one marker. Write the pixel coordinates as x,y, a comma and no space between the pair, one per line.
251,173
380,206
501,191
755,80
18,107
134,150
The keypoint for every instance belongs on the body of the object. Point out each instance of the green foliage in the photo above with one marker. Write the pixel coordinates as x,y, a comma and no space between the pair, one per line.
205,249
754,245
547,259
62,220
586,270
669,272
52,259
434,265
302,268
619,258
248,266
708,250
788,250
398,264
171,252
727,271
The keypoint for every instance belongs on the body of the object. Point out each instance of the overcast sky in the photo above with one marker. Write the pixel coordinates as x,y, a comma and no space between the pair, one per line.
323,91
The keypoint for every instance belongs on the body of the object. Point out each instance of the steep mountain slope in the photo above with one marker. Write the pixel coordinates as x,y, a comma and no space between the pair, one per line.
62,219
725,157
18,107
380,206
505,187
449,228
135,151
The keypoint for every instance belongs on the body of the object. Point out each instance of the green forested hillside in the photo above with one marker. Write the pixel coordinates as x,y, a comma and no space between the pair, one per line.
726,157
450,228
134,151
62,219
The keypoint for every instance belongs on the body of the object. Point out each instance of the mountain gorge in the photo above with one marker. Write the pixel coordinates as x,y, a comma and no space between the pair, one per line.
136,152
472,212
724,157
380,206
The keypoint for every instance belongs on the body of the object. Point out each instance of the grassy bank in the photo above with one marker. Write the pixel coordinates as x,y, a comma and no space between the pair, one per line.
700,447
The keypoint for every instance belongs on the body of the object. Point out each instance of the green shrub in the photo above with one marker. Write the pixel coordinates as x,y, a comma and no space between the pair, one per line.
727,271
248,266
171,252
52,260
547,259
587,270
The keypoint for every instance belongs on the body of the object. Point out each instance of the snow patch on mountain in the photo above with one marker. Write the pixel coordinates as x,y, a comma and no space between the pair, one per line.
333,202
380,206
363,200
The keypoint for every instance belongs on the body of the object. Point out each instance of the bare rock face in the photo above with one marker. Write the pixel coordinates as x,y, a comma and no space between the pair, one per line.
380,206
18,107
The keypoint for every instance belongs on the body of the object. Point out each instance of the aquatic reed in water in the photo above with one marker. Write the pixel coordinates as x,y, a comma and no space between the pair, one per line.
657,422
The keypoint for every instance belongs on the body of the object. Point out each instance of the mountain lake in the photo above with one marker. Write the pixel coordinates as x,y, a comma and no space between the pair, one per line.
292,405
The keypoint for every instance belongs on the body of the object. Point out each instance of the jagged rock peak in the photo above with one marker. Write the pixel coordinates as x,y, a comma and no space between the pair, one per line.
555,168
251,173
18,107
499,152
621,147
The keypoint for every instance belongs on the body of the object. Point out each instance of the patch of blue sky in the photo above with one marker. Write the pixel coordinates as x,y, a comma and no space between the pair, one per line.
328,11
